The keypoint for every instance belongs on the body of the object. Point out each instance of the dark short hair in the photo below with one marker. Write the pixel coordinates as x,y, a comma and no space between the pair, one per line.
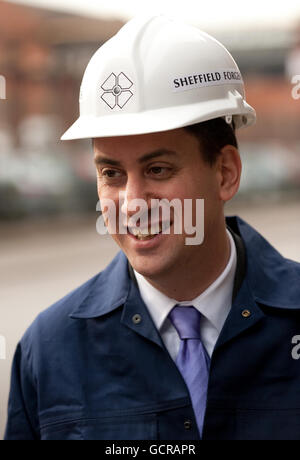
213,135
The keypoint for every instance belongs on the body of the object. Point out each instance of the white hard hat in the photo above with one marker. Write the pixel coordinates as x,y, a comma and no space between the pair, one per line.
157,74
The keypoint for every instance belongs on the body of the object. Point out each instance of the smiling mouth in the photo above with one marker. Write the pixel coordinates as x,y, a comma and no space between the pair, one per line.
145,234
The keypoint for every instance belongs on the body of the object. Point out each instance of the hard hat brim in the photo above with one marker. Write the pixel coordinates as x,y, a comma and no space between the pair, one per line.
158,120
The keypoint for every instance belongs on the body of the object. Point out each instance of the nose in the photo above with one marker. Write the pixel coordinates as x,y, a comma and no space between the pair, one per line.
135,196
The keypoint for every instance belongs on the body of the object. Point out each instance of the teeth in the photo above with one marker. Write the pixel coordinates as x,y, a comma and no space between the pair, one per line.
155,230
145,234
134,231
145,237
138,232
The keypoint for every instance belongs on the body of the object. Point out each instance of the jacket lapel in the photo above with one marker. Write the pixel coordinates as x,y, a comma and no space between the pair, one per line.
137,317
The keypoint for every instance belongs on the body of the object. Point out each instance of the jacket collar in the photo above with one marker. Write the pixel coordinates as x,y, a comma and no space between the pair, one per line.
273,280
268,274
108,292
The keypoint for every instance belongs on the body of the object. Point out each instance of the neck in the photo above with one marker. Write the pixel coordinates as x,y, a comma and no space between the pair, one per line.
198,271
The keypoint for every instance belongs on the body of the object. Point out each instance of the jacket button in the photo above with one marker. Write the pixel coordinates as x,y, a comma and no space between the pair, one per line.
246,313
136,319
187,424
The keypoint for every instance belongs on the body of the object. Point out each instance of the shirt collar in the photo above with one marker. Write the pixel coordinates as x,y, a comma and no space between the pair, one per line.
214,303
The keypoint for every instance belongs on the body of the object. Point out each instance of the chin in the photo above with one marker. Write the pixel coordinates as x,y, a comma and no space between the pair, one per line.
148,268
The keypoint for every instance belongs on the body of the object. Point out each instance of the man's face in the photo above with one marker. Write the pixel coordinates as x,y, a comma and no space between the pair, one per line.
165,165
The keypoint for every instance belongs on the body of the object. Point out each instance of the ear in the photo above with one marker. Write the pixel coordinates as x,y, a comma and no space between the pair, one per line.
230,168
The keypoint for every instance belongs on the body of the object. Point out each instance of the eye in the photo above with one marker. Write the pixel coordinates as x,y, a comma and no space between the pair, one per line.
111,173
110,176
159,171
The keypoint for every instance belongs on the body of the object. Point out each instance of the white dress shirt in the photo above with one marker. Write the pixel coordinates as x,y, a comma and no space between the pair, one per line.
214,304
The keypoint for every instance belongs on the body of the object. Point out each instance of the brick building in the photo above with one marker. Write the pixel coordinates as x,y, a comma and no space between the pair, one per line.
42,57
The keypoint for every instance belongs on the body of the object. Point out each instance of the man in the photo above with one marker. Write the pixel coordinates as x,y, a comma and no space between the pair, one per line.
173,340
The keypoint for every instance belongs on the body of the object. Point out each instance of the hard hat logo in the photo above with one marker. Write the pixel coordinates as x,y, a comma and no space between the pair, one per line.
116,90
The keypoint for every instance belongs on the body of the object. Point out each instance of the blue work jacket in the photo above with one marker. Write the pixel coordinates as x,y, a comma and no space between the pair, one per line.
93,366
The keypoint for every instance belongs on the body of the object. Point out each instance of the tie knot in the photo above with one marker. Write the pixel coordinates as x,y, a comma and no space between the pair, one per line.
186,321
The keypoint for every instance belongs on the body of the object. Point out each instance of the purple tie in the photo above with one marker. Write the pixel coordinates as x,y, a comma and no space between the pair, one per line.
192,359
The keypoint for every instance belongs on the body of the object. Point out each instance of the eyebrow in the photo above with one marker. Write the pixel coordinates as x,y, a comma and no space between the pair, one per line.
148,156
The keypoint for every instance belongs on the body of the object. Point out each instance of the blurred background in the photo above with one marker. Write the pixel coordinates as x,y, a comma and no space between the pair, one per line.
48,239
